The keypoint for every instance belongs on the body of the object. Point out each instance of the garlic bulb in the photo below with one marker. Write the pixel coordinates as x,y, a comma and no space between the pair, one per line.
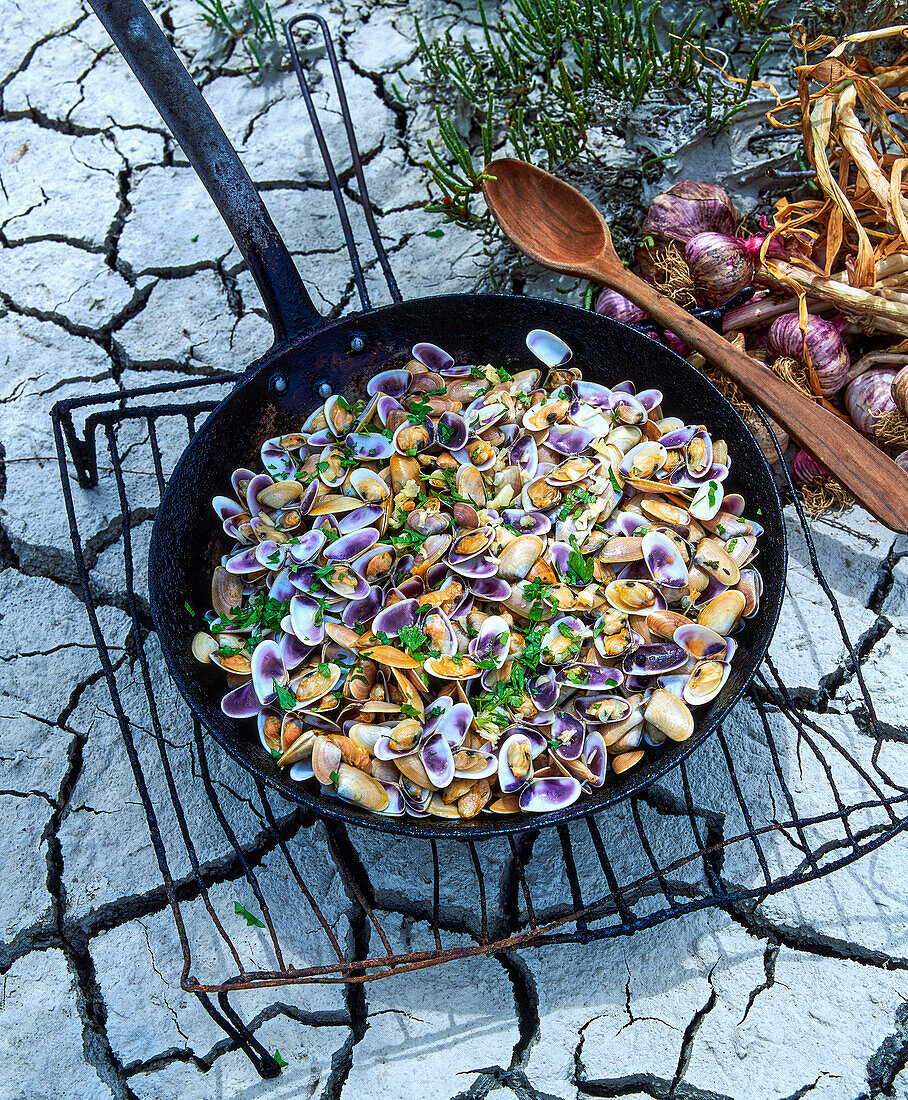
868,398
902,460
828,353
806,468
690,208
900,391
609,303
719,265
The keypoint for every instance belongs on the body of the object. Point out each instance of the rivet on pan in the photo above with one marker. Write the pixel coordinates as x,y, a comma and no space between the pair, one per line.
324,389
279,383
357,344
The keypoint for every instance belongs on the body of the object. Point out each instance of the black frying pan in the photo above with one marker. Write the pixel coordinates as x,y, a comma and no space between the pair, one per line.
280,389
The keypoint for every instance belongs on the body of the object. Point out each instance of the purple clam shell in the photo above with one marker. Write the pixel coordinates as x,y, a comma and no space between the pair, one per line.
359,518
304,579
679,436
282,587
544,689
243,562
625,523
596,758
655,659
455,557
267,666
569,441
700,642
242,702
583,704
638,683
394,383
411,587
734,503
649,399
385,405
545,795
527,523
242,474
478,567
713,588
493,589
276,459
370,445
432,356
435,712
627,408
664,561
303,614
351,546
436,575
590,677
392,620
452,431
384,751
570,732
226,507
396,806
507,781
360,591
525,455
635,571
293,651
548,348
453,724
438,759
322,439
308,498
701,433
361,611
259,482
559,554
593,393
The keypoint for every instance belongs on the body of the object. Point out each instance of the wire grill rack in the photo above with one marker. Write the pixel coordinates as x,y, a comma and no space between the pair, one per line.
783,794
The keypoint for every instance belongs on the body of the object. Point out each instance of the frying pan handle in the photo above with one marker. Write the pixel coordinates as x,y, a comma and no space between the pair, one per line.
180,103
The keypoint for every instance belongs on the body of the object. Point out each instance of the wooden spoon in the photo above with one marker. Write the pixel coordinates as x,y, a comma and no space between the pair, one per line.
561,229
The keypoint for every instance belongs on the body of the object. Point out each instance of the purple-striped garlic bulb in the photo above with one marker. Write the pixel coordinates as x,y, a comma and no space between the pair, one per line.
900,391
690,208
609,303
823,341
806,468
719,265
902,460
868,398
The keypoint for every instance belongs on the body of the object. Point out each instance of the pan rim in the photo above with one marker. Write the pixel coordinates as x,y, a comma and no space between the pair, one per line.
432,827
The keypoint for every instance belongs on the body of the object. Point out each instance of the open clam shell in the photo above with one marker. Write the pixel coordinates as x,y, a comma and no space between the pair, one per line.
515,763
545,795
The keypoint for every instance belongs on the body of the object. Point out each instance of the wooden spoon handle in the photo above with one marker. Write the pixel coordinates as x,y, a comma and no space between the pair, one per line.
874,480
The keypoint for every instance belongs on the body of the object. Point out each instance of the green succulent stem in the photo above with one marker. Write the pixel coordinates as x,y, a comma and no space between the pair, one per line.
530,86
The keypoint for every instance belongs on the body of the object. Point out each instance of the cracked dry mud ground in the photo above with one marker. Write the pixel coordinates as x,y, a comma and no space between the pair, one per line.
117,273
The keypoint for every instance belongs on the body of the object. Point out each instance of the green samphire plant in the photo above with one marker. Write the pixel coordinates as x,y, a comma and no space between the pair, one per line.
543,70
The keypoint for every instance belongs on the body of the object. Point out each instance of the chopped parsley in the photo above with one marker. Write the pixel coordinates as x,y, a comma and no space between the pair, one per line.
280,1061
445,432
413,640
189,607
285,696
335,778
580,569
575,501
539,595
409,711
324,669
251,921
